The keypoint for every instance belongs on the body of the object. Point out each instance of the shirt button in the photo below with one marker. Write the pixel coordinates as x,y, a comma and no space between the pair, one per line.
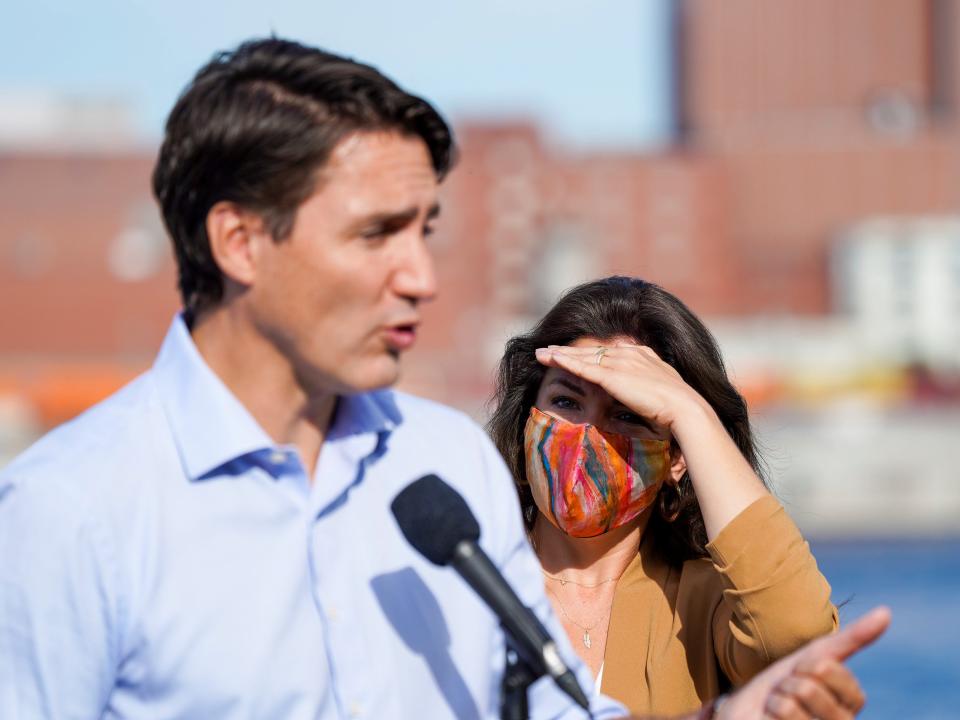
355,710
332,614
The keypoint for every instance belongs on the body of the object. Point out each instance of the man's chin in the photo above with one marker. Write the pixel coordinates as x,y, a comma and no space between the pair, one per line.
383,373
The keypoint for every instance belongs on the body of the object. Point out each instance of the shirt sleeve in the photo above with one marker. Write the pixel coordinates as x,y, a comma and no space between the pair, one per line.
520,567
774,598
58,618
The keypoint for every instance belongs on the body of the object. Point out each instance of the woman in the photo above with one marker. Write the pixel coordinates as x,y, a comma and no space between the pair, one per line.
674,571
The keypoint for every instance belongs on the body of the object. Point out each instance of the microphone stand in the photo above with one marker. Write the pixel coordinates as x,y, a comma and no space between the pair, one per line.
518,676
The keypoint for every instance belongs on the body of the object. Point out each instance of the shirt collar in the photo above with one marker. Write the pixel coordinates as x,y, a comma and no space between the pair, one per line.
211,427
372,412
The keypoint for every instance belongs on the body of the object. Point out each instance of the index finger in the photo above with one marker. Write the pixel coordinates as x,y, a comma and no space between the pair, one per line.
852,638
594,349
555,357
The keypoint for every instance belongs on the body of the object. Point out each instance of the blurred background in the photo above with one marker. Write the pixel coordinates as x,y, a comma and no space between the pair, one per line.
790,169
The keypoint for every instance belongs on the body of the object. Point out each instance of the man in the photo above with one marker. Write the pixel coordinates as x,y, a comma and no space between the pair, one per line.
215,540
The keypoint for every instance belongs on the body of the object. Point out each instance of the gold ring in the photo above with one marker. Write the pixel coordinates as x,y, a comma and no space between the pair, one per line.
600,353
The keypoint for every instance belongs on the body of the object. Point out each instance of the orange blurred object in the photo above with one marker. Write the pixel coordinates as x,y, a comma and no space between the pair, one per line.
57,392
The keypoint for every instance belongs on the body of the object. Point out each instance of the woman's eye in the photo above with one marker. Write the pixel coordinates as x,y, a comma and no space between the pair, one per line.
632,419
565,403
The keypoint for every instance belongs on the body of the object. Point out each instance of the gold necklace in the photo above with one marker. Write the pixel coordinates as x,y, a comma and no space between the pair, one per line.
564,581
585,638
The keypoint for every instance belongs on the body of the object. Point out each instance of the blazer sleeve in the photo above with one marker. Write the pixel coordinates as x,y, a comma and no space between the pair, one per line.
774,599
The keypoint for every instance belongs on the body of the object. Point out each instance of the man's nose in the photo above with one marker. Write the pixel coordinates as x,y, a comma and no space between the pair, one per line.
415,278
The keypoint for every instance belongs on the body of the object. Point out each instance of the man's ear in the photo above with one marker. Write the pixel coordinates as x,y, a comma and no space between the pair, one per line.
234,233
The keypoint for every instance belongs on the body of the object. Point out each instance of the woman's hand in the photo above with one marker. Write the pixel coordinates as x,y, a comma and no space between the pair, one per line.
633,375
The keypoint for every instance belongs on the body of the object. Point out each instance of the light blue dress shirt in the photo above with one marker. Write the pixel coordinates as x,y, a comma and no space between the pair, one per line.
161,557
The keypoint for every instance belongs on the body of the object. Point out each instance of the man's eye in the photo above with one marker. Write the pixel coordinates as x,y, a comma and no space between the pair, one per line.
375,233
428,230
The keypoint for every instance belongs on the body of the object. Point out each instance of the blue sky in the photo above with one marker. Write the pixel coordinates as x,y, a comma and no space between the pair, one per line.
595,74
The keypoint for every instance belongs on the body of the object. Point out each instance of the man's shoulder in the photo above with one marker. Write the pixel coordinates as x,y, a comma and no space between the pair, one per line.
429,418
109,434
415,407
449,442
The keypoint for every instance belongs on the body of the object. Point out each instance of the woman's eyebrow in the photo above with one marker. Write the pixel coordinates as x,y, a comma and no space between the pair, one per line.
572,386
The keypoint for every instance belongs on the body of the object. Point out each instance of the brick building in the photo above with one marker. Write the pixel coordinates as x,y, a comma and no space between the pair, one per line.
795,121
821,114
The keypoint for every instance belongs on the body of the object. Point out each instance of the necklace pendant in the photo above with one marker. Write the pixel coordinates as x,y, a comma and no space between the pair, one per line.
586,639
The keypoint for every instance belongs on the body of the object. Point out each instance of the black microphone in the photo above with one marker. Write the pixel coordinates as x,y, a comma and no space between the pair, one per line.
439,524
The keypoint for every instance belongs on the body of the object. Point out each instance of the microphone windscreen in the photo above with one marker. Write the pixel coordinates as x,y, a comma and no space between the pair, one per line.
434,518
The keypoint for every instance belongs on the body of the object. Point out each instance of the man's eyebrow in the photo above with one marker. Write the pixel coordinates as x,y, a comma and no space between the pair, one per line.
570,385
397,219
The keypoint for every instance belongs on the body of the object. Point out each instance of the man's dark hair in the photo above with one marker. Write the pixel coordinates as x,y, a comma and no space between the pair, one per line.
254,127
605,309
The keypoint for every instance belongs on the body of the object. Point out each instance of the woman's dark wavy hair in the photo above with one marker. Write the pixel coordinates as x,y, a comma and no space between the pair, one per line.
254,127
605,309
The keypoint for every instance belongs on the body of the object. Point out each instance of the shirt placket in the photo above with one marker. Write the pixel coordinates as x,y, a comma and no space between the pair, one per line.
336,573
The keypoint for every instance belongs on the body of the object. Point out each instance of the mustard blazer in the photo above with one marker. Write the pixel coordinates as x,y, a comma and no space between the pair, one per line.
680,636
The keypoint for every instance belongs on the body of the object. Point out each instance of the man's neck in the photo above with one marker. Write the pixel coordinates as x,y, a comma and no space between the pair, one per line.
265,382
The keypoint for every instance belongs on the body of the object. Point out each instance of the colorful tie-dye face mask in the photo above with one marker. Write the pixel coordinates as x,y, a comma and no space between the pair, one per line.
586,481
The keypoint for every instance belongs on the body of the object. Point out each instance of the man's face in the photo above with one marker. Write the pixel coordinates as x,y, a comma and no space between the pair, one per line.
340,297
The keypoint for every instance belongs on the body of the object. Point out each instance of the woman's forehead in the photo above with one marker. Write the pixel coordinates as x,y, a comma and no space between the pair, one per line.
561,378
590,341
